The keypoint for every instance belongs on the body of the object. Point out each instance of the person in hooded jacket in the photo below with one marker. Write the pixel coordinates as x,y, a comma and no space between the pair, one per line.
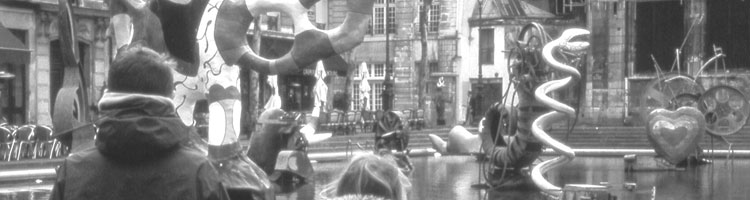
140,149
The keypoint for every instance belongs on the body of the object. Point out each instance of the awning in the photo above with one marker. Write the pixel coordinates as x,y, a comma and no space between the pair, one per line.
11,49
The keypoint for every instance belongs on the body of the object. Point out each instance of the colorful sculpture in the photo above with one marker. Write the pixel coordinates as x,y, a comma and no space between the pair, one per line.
208,40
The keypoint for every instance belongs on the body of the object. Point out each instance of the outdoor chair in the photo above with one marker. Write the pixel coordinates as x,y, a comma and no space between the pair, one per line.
357,121
332,124
368,120
418,118
349,122
6,143
24,142
325,123
406,116
45,145
322,119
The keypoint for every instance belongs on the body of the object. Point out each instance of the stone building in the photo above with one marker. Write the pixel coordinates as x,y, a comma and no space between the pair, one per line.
400,19
489,36
642,35
29,97
631,40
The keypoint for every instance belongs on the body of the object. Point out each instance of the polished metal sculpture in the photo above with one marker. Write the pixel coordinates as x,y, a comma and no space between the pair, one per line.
678,111
564,43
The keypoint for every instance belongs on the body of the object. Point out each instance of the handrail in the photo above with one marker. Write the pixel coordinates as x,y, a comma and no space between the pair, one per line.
560,109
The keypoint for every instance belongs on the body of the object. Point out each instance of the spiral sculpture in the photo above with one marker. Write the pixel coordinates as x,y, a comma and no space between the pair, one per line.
564,44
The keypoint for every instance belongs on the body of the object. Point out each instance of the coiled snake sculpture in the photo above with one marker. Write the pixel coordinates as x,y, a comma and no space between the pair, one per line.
566,45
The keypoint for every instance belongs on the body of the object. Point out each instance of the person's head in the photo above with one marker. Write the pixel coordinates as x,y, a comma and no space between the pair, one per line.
138,69
372,175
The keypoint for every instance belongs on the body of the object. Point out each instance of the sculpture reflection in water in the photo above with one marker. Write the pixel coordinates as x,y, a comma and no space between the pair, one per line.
208,39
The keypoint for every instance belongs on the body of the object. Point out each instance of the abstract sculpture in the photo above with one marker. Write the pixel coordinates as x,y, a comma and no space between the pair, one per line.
512,136
208,39
563,44
70,109
677,111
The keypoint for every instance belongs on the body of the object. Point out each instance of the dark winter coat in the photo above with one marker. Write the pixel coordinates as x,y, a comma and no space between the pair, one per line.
139,154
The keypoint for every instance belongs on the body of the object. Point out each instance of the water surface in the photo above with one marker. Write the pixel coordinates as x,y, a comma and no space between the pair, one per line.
452,177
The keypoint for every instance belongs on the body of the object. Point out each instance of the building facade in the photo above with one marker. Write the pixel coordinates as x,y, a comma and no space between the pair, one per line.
489,36
635,42
632,43
394,36
30,96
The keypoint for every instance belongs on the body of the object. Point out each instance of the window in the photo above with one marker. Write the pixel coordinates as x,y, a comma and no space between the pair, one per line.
377,100
356,104
377,70
13,98
486,46
433,18
356,71
272,21
659,28
311,14
728,27
383,19
433,66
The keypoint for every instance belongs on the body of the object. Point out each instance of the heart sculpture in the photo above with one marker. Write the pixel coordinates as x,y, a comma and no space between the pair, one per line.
675,134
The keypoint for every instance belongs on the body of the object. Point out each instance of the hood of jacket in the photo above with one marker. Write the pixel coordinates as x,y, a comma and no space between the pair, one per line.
138,127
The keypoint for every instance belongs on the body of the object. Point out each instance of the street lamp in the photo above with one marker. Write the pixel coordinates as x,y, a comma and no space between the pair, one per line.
387,94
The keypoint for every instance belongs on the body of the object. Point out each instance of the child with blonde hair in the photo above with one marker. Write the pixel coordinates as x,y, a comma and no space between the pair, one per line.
369,176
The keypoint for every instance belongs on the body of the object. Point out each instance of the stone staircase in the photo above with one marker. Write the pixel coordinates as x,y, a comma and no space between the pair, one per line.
417,140
581,138
635,138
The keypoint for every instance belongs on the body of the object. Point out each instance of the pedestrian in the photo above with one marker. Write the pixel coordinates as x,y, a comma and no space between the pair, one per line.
440,102
369,176
140,149
469,110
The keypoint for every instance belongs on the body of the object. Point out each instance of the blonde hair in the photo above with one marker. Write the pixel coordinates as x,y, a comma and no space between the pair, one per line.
370,175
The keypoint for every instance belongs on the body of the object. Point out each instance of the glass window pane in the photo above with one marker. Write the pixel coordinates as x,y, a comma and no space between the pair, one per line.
378,21
355,97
